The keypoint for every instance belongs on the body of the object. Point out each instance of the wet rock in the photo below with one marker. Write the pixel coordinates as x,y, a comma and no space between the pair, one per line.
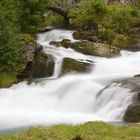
55,43
133,112
66,43
85,35
71,65
42,65
98,49
134,45
127,42
31,49
89,48
47,29
121,41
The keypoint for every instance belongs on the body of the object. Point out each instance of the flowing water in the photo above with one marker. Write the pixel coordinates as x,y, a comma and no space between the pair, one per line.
73,98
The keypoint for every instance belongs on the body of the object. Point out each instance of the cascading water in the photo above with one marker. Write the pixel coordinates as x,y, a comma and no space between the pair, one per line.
73,98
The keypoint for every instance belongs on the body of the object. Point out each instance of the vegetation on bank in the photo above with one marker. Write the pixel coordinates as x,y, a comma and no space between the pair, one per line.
88,131
17,18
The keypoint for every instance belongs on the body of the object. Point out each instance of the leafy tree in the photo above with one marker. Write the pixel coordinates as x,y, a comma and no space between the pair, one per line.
32,14
10,47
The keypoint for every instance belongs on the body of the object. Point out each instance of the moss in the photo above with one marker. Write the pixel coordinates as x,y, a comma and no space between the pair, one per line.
26,38
121,41
70,65
88,131
84,47
7,79
85,35
98,49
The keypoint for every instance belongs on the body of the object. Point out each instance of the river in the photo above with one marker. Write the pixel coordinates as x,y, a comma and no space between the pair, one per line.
72,98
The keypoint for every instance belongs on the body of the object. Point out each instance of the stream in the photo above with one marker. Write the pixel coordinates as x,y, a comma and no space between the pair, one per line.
72,98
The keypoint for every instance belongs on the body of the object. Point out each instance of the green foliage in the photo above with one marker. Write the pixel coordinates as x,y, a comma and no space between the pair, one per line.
88,131
7,79
26,39
88,13
18,17
10,47
54,20
97,6
104,20
32,14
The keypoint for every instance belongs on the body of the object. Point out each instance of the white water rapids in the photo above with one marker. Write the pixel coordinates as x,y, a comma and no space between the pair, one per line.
73,98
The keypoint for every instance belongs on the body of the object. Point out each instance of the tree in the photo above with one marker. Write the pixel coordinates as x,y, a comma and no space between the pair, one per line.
32,14
10,47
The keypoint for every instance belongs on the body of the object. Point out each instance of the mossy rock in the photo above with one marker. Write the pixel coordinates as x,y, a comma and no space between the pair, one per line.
71,65
98,49
85,35
134,44
89,48
130,42
41,66
133,111
121,41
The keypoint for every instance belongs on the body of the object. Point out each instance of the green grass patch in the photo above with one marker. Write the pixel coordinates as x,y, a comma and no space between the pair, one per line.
88,131
7,79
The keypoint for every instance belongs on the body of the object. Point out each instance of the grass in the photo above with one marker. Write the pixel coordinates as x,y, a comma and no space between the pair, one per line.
7,79
88,131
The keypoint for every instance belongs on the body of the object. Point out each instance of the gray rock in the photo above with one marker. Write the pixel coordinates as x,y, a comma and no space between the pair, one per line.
133,112
89,48
71,65
41,66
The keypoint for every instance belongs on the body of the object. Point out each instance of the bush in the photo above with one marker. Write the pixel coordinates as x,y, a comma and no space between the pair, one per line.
10,47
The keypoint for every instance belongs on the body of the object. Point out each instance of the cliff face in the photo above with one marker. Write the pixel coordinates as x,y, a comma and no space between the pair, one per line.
122,1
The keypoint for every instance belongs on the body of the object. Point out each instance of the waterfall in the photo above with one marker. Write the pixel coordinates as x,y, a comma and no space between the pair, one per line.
73,98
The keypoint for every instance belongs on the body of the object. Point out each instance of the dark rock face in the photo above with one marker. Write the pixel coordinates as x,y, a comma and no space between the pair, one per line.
133,112
31,49
71,65
42,65
135,45
122,1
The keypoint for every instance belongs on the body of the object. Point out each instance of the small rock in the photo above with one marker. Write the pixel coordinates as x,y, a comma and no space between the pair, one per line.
77,138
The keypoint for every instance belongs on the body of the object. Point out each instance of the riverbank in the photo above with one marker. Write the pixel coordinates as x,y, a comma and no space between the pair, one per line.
88,131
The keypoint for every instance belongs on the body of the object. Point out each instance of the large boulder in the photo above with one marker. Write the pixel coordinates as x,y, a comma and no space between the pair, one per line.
133,112
90,48
131,85
129,42
71,65
36,64
41,66
85,35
